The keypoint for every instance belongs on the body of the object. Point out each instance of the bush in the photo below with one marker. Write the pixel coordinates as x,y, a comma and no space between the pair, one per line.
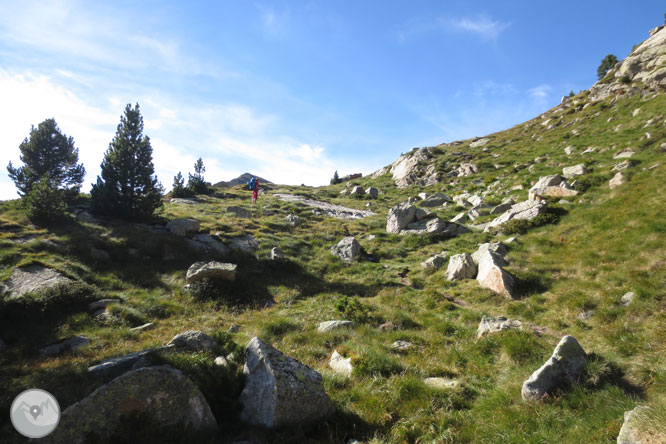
521,226
607,64
179,189
352,308
591,180
45,203
515,226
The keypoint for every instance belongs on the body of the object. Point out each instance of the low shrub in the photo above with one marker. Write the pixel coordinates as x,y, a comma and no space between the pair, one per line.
352,308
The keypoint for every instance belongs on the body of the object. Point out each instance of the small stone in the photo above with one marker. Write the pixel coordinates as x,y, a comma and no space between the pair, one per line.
276,253
625,153
461,266
334,325
489,325
627,298
401,346
387,326
221,361
573,171
340,364
441,383
143,327
348,249
294,220
193,340
210,270
616,181
436,261
622,166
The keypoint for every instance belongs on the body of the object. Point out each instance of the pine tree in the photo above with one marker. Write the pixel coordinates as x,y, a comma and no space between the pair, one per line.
336,178
607,64
195,182
128,189
44,202
51,154
179,189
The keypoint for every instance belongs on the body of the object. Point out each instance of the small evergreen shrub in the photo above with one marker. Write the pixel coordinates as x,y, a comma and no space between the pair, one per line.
352,308
45,203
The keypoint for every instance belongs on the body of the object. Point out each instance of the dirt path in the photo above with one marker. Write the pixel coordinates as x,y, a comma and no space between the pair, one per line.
337,211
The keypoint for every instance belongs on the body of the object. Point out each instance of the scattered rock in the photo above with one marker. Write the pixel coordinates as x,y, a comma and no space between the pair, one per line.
590,149
245,244
573,171
627,298
357,191
334,325
66,345
435,200
415,168
461,266
387,326
622,166
207,244
492,276
495,247
340,364
441,383
183,227
163,394
348,249
239,211
372,192
327,209
214,270
569,150
112,367
401,346
102,304
562,368
460,218
551,186
31,278
479,143
528,210
279,390
634,431
616,181
435,261
467,169
184,201
489,325
624,154
276,253
399,217
475,200
144,327
221,361
292,220
501,208
584,315
193,340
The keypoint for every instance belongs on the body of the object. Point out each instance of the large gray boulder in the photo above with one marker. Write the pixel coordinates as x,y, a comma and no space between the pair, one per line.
399,217
348,249
31,278
183,227
244,244
193,340
528,210
496,247
562,368
207,244
492,276
372,192
461,266
210,270
163,394
279,390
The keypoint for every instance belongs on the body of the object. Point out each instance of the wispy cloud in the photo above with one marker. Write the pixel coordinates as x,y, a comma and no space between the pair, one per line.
540,93
481,26
274,23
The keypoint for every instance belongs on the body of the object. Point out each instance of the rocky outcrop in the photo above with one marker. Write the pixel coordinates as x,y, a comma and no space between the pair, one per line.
193,340
113,367
528,210
436,261
245,244
210,270
66,345
163,395
279,390
492,276
31,278
635,431
334,325
208,244
461,266
563,368
435,200
414,168
348,249
340,364
551,186
489,325
646,62
183,227
399,217
327,209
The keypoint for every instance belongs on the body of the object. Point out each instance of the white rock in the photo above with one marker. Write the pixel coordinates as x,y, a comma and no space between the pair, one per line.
401,345
569,150
492,276
489,325
372,192
348,249
528,210
461,266
441,383
399,217
435,261
616,181
340,364
627,298
633,430
573,171
334,325
276,253
215,270
625,153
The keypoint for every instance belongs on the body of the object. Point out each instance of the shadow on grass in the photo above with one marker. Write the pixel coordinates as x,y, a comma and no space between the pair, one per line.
600,372
529,283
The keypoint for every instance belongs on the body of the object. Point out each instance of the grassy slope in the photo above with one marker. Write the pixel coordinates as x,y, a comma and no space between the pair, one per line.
608,243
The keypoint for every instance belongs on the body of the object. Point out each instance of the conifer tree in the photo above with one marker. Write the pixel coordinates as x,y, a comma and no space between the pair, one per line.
49,154
195,182
607,64
128,189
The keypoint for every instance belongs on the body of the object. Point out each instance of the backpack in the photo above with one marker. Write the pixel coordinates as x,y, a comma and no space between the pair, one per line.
252,184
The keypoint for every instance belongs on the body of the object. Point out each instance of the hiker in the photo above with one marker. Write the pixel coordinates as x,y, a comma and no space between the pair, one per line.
255,190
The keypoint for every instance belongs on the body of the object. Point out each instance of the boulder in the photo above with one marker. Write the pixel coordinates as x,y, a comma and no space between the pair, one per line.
399,217
501,208
616,181
239,211
207,244
334,325
221,361
401,346
348,249
193,340
573,171
113,367
562,368
551,186
276,253
441,383
415,168
528,210
183,227
495,247
210,270
435,261
475,200
479,142
292,220
489,325
372,192
422,214
31,278
634,431
435,200
340,364
624,154
244,244
163,394
66,345
461,266
460,218
492,276
279,390
357,191
622,166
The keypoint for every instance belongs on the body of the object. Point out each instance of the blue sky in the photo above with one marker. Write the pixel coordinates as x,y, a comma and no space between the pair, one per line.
294,90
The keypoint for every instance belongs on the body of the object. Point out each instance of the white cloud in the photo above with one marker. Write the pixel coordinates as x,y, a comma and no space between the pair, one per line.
482,26
540,93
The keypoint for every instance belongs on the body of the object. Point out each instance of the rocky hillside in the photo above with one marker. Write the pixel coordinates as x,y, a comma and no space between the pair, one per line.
241,180
502,289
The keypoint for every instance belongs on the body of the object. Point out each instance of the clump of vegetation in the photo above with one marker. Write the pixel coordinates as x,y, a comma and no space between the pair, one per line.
606,65
352,308
522,226
45,203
